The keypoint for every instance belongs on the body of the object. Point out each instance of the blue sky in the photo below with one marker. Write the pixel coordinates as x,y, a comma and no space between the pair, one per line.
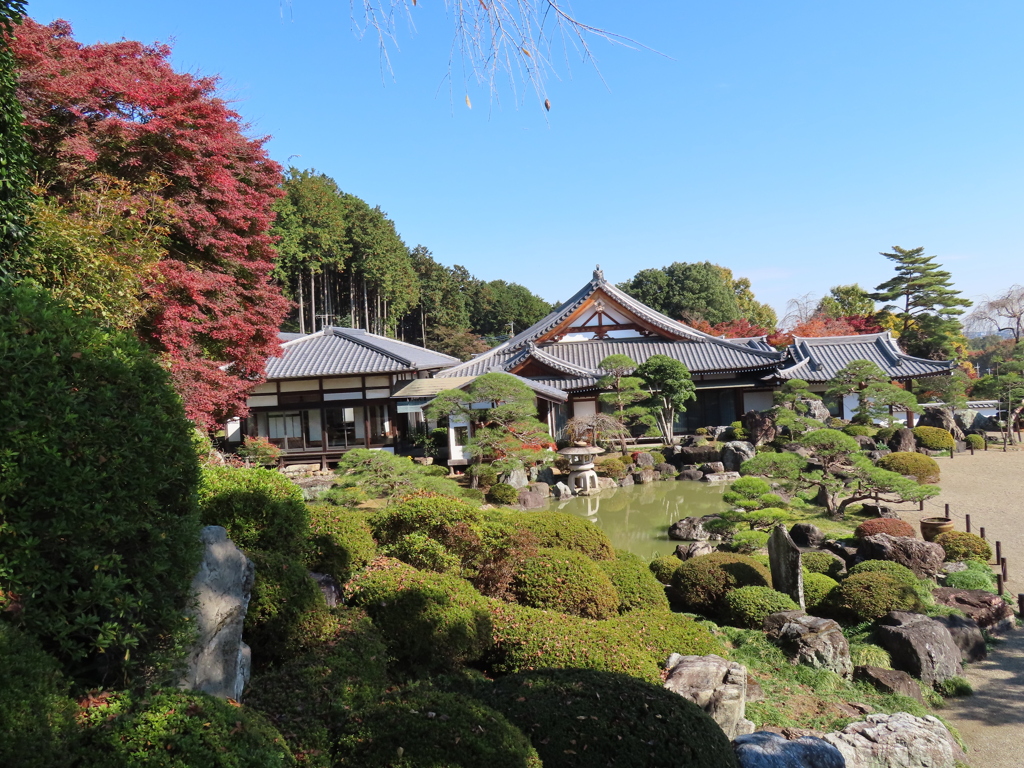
790,142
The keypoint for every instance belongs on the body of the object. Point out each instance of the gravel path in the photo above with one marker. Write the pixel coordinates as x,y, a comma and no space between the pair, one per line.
989,486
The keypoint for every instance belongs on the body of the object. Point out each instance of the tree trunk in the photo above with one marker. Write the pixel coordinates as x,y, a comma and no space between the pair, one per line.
302,308
312,300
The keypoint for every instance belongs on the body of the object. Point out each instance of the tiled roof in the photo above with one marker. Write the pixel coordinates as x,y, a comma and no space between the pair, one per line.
540,387
349,351
819,359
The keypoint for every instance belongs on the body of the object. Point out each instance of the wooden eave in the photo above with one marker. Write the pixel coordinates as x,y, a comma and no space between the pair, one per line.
577,322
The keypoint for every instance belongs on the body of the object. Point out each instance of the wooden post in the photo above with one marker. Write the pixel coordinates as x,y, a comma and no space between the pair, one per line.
951,452
967,522
999,584
981,531
972,450
999,552
1020,604
947,511
920,505
1002,564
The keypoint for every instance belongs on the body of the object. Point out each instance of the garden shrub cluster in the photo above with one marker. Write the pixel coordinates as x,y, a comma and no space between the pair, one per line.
340,541
818,590
750,606
972,580
750,493
663,567
889,525
975,442
960,545
702,582
822,562
872,594
923,468
503,493
859,430
565,581
636,586
561,530
610,466
933,438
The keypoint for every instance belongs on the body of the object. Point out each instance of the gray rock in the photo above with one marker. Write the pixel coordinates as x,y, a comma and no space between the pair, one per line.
532,499
988,611
329,588
878,453
953,567
879,510
692,529
700,454
717,686
866,443
219,662
645,460
666,470
770,750
920,646
941,417
606,484
645,476
899,740
517,478
718,478
760,427
784,559
810,640
542,488
712,467
692,475
626,481
694,549
806,535
847,554
889,681
902,441
924,558
561,491
546,475
816,409
966,635
735,453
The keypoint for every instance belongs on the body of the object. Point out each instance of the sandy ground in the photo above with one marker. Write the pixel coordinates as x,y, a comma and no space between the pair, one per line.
989,487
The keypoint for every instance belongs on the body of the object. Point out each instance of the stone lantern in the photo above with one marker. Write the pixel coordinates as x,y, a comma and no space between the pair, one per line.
582,477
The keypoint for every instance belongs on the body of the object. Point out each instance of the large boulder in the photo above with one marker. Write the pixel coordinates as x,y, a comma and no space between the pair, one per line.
810,640
717,686
764,749
902,441
924,558
692,529
542,488
988,611
517,478
699,454
546,475
815,408
606,484
879,510
626,481
760,426
866,443
694,549
784,561
645,460
532,499
941,417
718,478
219,662
967,636
920,646
645,476
889,681
735,453
690,474
561,491
665,469
806,535
899,740
712,467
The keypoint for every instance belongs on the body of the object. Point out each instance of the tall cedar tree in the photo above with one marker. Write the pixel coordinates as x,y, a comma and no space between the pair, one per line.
14,148
924,302
119,109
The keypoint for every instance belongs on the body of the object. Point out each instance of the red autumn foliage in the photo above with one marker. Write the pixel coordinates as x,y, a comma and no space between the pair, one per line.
863,323
818,325
120,109
734,329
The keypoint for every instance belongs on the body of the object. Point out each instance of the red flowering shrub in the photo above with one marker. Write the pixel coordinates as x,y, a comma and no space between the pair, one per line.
891,526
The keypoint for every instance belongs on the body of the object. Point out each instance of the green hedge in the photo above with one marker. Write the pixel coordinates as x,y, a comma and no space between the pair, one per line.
975,442
933,438
702,582
565,581
561,530
283,597
635,584
340,541
577,717
972,580
964,546
749,606
924,468
100,532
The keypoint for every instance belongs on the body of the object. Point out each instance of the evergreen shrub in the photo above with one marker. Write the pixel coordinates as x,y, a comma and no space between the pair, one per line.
658,456
899,572
434,470
260,508
889,525
340,542
818,590
432,728
562,530
349,496
924,468
933,438
99,532
575,717
960,545
859,430
485,474
972,580
175,729
610,466
884,435
565,581
635,584
503,493
749,606
702,582
282,596
747,542
976,442
664,567
870,595
431,622
822,562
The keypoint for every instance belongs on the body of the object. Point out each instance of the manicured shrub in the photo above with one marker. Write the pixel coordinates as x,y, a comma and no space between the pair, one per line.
749,606
746,488
97,492
578,717
889,525
702,582
924,468
818,590
282,596
175,729
260,451
340,542
610,466
565,581
37,719
485,474
434,470
473,494
260,508
431,728
430,621
933,438
871,595
859,430
664,567
735,431
972,580
899,572
964,546
975,442
635,584
885,434
747,542
562,530
503,493
349,497
312,695
822,562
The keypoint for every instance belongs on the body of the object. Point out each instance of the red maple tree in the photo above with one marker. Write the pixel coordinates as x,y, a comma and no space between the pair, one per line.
733,329
120,109
819,325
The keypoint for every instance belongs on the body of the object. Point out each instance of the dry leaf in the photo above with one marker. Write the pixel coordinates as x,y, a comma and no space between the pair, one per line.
468,102
547,104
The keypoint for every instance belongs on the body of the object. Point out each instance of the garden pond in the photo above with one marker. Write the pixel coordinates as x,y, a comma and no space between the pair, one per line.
636,518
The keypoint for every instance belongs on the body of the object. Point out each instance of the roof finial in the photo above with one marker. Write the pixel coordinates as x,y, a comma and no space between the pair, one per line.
598,274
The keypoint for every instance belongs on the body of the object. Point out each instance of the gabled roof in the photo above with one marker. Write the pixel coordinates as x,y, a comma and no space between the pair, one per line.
818,359
701,352
544,390
350,351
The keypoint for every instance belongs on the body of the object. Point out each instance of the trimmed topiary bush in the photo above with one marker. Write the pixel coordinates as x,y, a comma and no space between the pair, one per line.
260,508
340,542
818,590
97,493
431,728
747,542
975,442
870,595
885,433
972,580
749,606
899,572
933,438
635,584
702,582
858,430
575,717
610,466
565,581
924,468
822,562
890,525
561,530
430,621
664,567
503,493
964,546
175,729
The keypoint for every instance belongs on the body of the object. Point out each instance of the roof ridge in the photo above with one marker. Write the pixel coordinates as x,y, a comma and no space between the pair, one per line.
357,339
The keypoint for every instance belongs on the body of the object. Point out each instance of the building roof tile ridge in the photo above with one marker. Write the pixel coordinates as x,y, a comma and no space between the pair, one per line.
411,346
359,338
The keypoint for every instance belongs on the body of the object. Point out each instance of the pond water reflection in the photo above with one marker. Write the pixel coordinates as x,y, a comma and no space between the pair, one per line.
636,518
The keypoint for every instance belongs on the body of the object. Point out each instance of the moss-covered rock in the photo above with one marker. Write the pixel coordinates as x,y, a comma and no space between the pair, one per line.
565,581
